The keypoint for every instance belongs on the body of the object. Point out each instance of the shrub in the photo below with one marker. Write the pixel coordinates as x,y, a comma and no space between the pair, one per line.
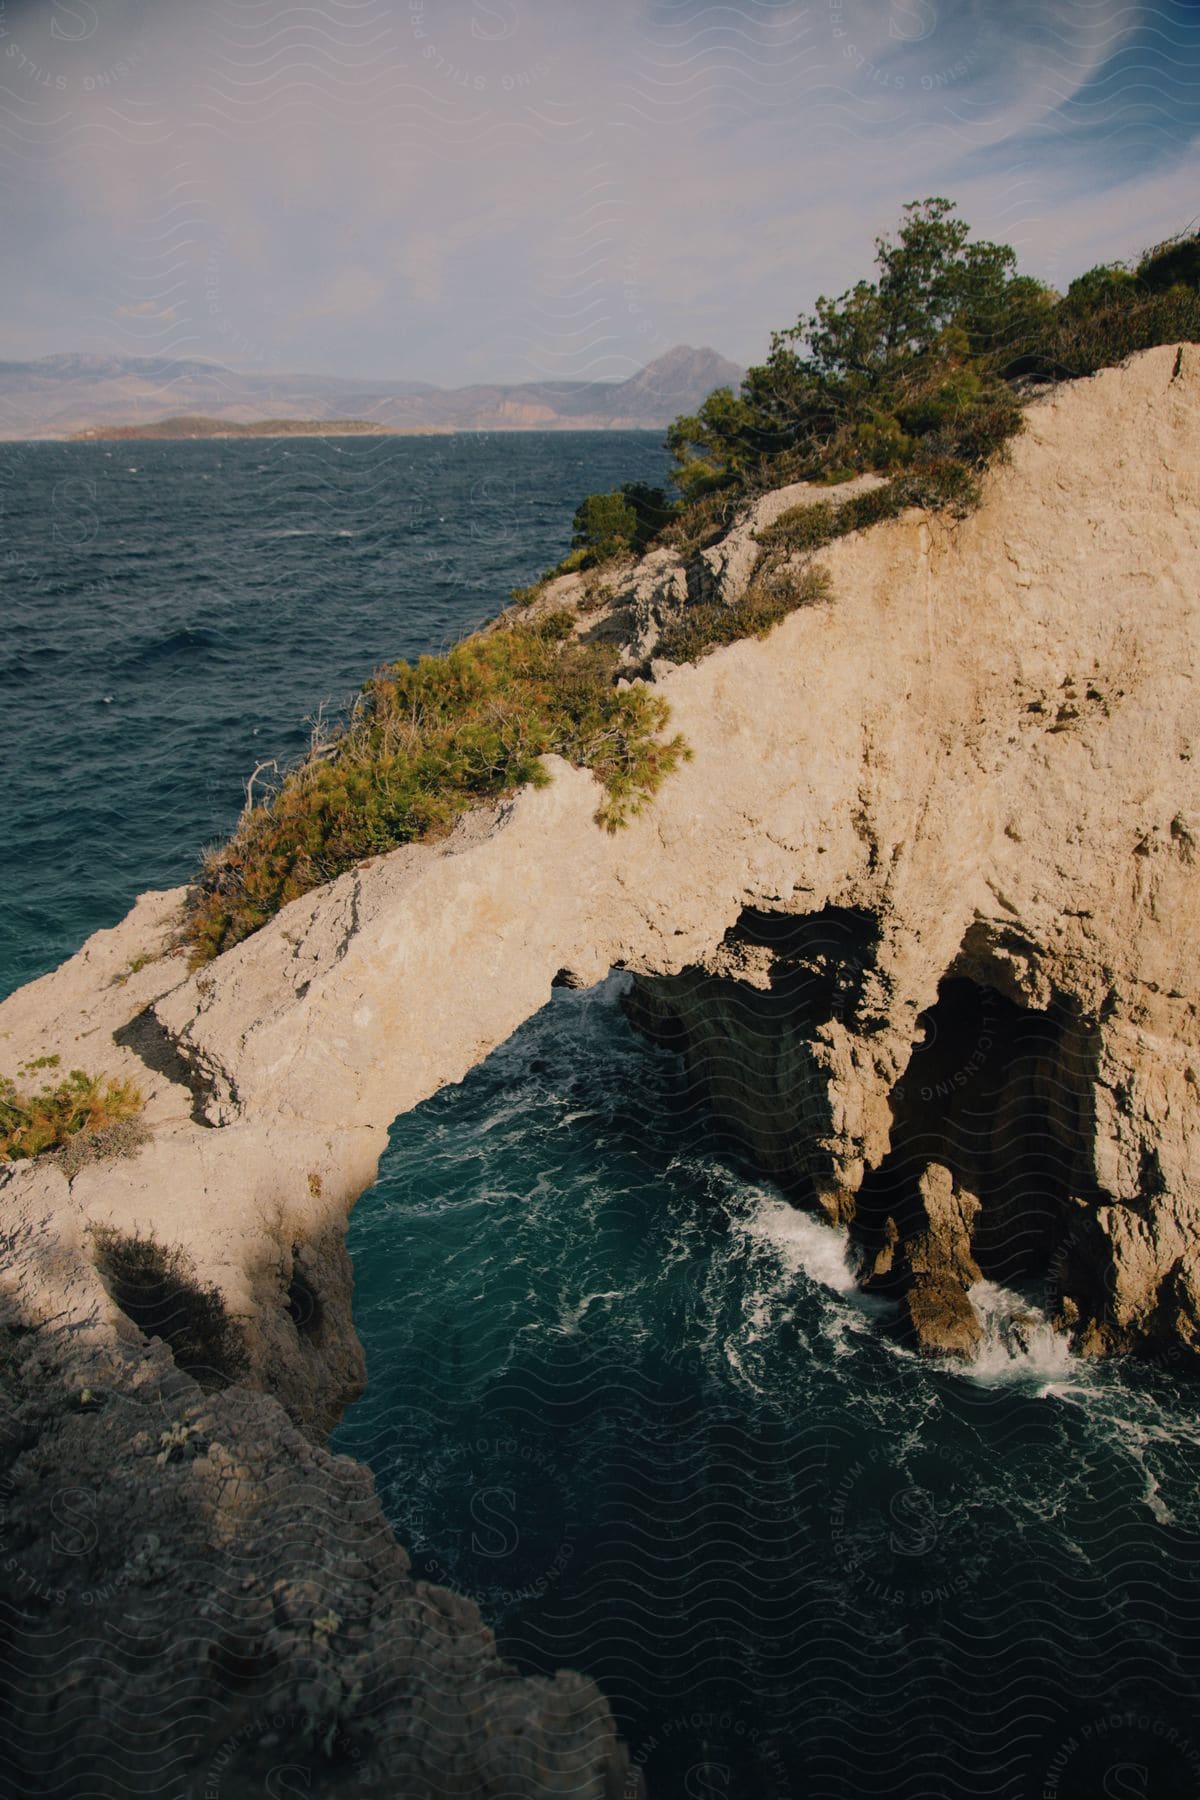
604,526
156,1288
123,1139
916,365
702,523
704,627
607,526
1084,339
423,744
1175,263
622,523
801,528
32,1124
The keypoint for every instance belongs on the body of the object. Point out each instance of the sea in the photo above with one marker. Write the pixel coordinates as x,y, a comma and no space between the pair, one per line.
619,1391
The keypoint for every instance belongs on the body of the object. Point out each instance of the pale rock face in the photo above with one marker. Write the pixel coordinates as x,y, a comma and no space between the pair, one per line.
982,746
725,569
976,760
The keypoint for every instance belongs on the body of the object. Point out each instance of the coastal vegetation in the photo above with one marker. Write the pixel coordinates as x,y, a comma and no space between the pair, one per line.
423,743
65,1115
917,375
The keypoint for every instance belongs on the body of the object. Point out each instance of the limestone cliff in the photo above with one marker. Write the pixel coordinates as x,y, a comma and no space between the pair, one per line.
922,913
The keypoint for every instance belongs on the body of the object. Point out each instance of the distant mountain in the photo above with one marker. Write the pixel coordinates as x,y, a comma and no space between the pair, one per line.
682,374
64,395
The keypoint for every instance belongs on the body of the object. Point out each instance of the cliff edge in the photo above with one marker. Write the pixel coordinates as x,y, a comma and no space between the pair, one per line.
956,800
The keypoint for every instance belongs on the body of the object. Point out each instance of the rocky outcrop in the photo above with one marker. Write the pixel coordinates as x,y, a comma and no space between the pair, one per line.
198,1601
629,605
921,913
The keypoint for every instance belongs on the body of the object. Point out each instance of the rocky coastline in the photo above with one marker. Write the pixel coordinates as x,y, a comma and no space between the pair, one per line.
922,917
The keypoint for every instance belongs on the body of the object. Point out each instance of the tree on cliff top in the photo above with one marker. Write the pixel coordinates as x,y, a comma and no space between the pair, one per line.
855,383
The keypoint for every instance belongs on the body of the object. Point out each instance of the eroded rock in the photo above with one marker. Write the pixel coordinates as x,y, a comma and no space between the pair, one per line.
940,1318
197,1596
958,805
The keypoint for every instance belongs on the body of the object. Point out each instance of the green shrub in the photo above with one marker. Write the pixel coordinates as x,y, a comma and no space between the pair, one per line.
622,523
704,627
32,1124
914,368
425,743
605,526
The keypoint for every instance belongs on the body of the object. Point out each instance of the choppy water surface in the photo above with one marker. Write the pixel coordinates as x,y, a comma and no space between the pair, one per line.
619,1392
173,612
631,1401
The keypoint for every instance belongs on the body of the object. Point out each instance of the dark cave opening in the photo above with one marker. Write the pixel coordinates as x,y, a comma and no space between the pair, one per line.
745,1024
992,1092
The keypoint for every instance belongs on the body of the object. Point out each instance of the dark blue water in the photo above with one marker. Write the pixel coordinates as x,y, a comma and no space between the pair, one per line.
631,1401
619,1392
173,612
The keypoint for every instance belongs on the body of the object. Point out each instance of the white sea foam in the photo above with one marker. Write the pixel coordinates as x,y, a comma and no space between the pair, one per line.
804,1245
572,1317
1019,1341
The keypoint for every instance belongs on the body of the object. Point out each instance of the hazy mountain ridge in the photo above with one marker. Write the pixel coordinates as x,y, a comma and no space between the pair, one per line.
69,393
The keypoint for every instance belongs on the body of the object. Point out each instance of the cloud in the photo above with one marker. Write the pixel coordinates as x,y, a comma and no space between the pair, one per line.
350,294
467,189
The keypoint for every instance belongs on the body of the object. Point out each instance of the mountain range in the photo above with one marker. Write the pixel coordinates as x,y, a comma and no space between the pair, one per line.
63,395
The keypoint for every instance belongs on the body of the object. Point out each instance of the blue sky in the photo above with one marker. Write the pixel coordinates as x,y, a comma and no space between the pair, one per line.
458,190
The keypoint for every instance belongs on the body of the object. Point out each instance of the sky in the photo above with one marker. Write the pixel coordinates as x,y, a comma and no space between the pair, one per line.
511,190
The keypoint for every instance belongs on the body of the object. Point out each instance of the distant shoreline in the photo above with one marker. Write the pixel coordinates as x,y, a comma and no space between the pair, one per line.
149,435
195,426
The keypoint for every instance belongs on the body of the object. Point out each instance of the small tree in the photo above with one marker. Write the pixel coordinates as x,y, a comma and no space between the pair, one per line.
839,388
620,523
604,525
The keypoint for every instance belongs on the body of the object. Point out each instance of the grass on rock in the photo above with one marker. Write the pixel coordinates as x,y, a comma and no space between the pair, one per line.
424,743
707,626
63,1115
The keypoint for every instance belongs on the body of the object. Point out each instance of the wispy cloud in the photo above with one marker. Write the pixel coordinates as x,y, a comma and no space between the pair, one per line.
463,189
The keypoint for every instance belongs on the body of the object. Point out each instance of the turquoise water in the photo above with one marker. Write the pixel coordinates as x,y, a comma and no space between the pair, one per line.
619,1391
630,1400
